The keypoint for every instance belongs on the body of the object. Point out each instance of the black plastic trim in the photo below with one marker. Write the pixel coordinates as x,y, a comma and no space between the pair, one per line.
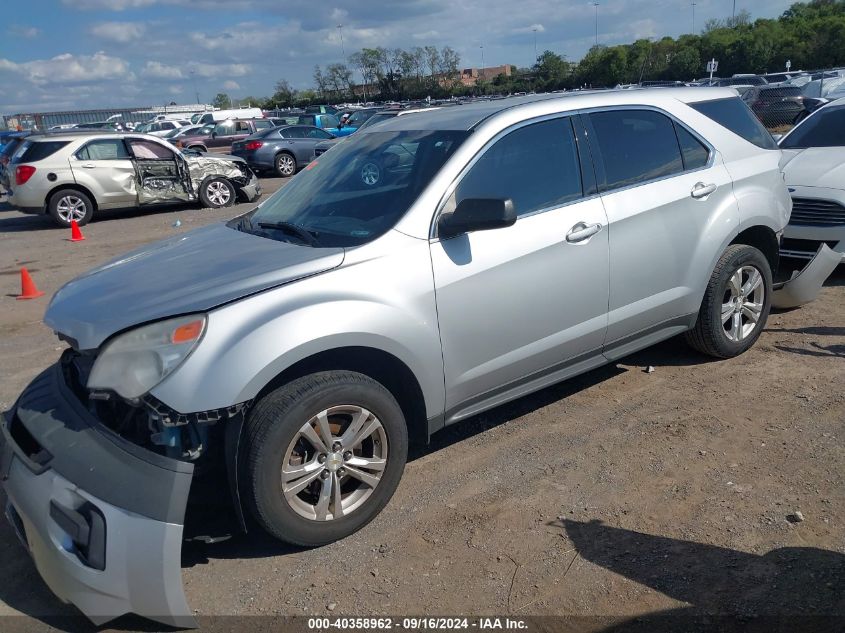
93,457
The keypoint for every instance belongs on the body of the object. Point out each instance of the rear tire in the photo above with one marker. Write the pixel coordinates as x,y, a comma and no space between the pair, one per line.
285,165
69,204
736,304
283,433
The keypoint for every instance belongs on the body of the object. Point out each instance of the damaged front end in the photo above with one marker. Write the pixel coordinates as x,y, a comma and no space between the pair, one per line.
97,488
235,170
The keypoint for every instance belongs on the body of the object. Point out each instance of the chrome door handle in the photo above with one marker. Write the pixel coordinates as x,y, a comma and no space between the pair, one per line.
700,190
581,232
89,165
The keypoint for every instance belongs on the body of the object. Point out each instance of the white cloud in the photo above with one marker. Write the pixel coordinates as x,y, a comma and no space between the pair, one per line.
231,85
19,30
70,69
121,32
157,70
220,70
109,5
539,28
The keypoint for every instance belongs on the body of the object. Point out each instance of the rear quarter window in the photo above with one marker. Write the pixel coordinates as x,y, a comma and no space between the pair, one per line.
31,152
736,116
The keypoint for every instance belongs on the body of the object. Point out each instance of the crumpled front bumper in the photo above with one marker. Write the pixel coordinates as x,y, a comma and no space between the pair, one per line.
804,286
101,517
252,190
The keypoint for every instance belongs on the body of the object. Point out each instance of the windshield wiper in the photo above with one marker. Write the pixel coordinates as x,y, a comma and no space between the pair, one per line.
295,229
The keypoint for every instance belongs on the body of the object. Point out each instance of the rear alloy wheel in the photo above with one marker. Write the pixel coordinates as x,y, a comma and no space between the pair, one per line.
69,204
736,304
322,456
285,165
217,193
370,173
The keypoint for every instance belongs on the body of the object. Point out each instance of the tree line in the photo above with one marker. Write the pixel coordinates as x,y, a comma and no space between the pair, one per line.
809,34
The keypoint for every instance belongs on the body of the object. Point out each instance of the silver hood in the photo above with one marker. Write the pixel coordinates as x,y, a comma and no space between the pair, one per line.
193,272
814,167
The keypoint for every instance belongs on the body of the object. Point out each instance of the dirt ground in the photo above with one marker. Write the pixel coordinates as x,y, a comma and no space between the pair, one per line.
618,493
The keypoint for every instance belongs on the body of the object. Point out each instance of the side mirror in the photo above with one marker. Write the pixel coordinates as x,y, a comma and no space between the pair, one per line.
477,214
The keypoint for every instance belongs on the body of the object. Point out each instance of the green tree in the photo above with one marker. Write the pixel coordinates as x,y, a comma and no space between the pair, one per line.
222,101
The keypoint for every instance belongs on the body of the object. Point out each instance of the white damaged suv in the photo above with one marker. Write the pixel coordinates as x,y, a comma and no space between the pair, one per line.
298,348
73,175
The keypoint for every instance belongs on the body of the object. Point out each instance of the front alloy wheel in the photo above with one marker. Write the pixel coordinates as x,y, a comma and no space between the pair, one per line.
334,463
321,456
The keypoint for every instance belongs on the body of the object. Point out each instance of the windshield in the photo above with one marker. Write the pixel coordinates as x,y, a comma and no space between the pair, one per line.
826,128
356,192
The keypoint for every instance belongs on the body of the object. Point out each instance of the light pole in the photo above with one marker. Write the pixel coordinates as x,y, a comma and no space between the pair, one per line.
535,43
596,5
342,49
194,82
481,46
693,18
733,13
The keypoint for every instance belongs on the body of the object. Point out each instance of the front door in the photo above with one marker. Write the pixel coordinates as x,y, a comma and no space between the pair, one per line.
522,305
161,174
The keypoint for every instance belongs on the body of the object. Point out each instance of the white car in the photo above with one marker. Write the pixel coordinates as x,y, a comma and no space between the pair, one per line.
162,128
814,169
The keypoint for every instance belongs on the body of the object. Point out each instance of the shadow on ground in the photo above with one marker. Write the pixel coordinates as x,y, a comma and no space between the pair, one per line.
787,589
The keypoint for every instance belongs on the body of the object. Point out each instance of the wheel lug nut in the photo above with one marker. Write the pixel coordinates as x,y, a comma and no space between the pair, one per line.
322,458
347,455
325,474
336,447
341,472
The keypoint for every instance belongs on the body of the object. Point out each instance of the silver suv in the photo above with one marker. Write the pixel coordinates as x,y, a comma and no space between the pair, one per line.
507,246
73,175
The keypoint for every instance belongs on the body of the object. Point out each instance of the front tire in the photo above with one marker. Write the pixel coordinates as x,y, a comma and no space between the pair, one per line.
216,193
736,304
322,456
69,204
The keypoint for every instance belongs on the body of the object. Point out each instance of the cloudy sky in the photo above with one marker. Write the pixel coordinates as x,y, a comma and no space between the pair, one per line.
68,54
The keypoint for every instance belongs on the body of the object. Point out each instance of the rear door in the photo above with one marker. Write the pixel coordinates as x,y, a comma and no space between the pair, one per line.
669,202
104,166
162,176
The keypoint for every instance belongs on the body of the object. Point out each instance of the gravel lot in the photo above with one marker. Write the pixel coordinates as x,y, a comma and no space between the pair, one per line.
620,493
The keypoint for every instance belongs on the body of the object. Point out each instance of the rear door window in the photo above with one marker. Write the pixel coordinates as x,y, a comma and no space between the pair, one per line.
736,116
263,124
103,149
636,146
693,151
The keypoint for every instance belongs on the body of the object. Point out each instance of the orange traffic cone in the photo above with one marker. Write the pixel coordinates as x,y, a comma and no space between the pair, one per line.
75,234
28,288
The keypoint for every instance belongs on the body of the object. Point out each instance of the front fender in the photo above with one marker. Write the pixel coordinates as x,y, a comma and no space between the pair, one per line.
384,302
